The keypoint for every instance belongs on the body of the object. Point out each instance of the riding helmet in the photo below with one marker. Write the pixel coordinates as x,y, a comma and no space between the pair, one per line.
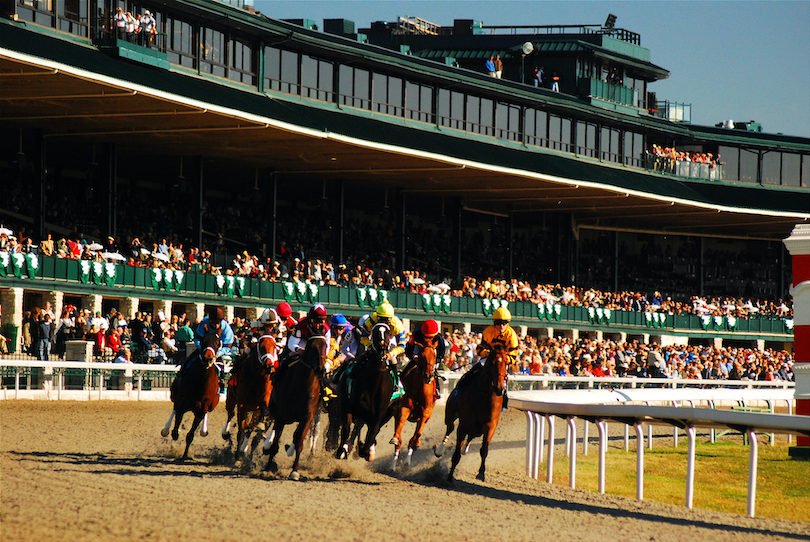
502,313
339,320
269,316
284,310
317,312
386,310
430,328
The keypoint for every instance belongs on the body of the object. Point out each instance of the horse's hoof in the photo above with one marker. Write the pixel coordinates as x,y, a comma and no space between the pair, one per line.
272,467
438,451
294,475
260,426
481,477
164,432
175,435
395,441
371,453
203,433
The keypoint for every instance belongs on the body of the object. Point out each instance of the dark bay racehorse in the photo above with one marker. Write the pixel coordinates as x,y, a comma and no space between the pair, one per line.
249,390
295,397
477,405
365,396
417,403
197,390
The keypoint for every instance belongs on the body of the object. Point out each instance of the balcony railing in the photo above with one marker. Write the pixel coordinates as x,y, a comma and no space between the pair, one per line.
151,283
607,91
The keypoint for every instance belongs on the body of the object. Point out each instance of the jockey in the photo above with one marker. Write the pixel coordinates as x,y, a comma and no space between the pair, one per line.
385,315
286,325
500,332
267,326
342,335
313,324
216,321
429,330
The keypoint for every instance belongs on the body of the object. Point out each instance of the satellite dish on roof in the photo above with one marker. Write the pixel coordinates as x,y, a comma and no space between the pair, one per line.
527,48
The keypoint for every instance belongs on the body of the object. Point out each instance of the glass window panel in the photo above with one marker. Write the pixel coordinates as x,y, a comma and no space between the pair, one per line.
394,95
309,75
771,167
289,72
412,100
791,166
444,106
581,134
730,159
555,131
426,103
565,134
457,110
361,83
326,78
805,171
346,83
380,92
473,113
487,116
748,166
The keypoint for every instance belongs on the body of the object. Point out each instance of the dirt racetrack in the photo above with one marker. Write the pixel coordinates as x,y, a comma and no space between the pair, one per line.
100,471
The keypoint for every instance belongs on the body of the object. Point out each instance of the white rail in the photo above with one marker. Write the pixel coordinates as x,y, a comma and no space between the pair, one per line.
636,415
52,385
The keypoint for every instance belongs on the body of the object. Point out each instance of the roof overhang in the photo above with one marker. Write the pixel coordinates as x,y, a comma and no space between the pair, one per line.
96,99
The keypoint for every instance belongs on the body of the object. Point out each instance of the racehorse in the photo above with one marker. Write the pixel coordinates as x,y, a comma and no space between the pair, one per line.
197,390
366,400
417,403
249,390
477,405
295,397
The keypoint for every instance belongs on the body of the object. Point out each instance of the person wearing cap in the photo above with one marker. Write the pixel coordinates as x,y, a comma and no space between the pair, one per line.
313,324
343,346
429,331
148,27
286,323
215,321
384,315
499,333
120,23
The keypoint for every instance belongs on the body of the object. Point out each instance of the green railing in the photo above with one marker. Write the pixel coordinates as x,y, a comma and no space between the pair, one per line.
606,91
128,281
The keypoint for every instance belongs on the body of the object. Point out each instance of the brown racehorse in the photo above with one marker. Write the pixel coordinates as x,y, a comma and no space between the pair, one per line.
295,398
417,403
476,403
196,391
248,394
367,402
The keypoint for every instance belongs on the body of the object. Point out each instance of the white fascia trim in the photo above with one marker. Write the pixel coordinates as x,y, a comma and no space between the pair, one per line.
159,94
561,180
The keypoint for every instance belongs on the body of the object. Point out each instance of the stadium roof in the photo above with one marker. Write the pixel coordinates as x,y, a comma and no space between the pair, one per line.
73,91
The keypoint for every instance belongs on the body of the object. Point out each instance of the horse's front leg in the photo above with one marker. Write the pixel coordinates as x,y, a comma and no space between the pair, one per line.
278,428
456,456
241,436
298,441
198,418
400,417
230,407
484,451
176,430
165,431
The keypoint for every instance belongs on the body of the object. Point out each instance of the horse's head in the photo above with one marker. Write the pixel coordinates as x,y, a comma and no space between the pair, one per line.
267,353
426,360
209,346
316,352
498,361
380,336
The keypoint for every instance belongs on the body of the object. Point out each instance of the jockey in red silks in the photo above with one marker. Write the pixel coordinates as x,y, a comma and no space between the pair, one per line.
286,323
429,330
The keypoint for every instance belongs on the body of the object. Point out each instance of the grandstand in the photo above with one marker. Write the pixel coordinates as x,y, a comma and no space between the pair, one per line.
230,131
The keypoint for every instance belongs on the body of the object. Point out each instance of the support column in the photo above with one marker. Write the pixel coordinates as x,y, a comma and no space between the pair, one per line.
201,200
57,302
341,217
195,312
467,327
717,342
229,313
523,331
546,333
164,305
11,301
798,244
457,235
274,219
400,230
92,302
112,188
600,335
128,307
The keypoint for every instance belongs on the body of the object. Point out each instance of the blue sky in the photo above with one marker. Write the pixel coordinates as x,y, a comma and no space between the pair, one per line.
740,60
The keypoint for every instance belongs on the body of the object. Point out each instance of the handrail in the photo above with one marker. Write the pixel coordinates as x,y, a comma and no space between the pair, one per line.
687,418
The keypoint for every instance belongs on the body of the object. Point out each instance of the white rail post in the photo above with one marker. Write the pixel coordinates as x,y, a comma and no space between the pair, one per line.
568,440
690,468
752,473
639,462
550,464
602,426
626,438
61,383
572,466
529,442
585,438
540,437
649,436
